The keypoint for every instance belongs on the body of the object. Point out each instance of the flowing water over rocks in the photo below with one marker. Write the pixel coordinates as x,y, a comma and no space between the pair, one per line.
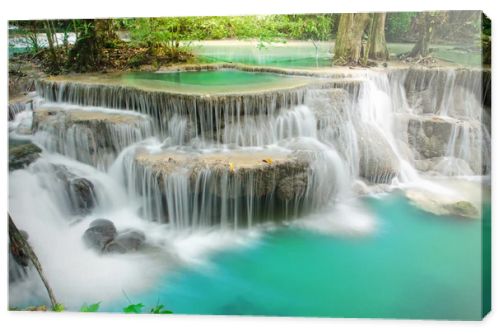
159,163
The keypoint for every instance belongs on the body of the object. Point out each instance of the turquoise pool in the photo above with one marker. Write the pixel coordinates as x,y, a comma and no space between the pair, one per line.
416,265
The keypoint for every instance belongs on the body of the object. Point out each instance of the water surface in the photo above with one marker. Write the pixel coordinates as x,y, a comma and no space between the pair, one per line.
416,265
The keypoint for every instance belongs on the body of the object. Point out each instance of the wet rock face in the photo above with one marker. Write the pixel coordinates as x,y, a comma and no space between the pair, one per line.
429,136
79,191
293,186
82,194
23,155
104,238
91,137
377,163
211,188
328,105
258,173
431,90
16,107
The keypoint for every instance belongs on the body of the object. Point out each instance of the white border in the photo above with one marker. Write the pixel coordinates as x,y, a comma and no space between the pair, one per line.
89,323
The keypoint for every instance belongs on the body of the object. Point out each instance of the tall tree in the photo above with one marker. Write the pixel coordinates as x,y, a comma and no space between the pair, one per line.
21,249
352,46
348,43
50,33
94,36
377,45
425,22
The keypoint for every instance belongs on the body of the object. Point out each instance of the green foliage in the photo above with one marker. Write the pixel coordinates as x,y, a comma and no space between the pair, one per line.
133,308
399,26
160,309
90,308
58,308
157,33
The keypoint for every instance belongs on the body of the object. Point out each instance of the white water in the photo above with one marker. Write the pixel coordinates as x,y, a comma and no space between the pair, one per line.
349,138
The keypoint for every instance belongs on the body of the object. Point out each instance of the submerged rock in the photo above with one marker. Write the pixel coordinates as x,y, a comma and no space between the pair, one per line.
23,155
443,204
462,209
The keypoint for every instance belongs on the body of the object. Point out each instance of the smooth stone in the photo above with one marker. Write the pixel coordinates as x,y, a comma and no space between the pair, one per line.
99,234
127,241
23,155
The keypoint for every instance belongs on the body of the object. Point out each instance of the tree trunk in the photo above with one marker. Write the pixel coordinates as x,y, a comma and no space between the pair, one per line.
50,40
377,45
21,248
348,43
88,51
424,27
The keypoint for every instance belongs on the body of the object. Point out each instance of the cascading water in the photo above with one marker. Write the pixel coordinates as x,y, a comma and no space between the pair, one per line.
175,165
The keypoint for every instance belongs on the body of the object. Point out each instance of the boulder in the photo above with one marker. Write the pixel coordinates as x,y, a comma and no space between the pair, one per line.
378,163
442,204
462,209
126,241
438,137
99,234
23,155
82,195
429,136
80,191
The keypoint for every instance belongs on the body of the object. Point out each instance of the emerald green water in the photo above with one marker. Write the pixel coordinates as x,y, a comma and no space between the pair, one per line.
207,78
416,265
305,55
211,81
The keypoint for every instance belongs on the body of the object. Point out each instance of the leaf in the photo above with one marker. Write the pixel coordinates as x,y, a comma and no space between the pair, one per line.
91,307
268,161
58,308
159,310
133,308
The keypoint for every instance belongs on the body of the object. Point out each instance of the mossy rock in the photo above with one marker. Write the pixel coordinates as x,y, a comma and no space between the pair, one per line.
23,155
462,209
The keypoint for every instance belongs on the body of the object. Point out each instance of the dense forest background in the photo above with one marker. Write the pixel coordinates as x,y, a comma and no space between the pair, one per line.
103,44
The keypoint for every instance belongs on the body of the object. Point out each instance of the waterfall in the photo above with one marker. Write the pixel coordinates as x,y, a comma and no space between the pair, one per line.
198,173
234,160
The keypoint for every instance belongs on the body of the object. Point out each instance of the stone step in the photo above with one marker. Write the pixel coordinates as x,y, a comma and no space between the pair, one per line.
238,187
95,137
